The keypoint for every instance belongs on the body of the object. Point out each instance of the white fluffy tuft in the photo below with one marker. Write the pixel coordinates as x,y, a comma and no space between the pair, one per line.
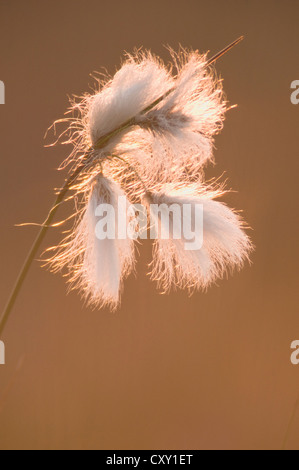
150,129
139,82
174,136
97,267
184,124
225,243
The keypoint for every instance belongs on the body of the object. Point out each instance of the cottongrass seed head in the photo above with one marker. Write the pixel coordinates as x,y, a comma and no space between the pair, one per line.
146,135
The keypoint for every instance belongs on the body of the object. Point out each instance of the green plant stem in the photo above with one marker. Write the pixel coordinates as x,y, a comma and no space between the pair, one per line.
61,195
35,247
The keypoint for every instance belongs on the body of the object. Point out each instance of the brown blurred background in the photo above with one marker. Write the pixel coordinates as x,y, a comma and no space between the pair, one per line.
210,372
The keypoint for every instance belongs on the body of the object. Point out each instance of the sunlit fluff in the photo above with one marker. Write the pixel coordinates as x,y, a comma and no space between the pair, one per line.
150,130
97,267
225,245
174,136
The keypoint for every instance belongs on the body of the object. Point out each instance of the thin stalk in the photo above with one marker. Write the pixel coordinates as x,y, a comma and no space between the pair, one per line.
225,50
68,184
36,245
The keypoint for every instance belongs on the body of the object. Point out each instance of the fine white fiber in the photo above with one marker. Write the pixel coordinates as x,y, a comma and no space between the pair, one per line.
139,82
98,267
177,134
225,245
150,130
185,122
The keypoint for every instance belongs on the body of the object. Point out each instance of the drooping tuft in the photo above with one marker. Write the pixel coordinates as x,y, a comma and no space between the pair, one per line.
97,261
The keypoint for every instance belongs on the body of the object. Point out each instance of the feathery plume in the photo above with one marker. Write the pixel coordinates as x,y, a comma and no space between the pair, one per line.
141,80
150,130
183,125
219,241
97,265
148,126
163,141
